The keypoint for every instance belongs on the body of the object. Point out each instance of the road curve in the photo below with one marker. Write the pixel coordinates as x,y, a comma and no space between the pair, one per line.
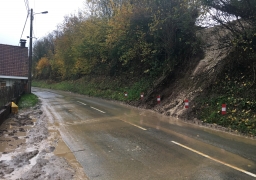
113,141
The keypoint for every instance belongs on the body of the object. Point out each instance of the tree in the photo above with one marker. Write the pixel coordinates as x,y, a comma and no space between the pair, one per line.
238,17
173,28
66,44
43,69
128,37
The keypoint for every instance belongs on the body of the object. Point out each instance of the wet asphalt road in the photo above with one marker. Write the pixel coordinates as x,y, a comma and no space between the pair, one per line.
118,142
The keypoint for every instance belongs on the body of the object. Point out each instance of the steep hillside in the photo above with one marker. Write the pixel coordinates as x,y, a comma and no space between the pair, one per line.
222,76
216,76
189,80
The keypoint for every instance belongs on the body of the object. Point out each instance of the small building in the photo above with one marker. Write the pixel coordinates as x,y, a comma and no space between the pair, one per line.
14,64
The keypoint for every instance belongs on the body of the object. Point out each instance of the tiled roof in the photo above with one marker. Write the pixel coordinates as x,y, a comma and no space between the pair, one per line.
13,61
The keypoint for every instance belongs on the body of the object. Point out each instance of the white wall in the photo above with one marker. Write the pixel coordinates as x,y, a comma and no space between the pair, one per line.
9,82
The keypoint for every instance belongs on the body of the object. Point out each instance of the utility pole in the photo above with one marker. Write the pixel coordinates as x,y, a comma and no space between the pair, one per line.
30,48
30,52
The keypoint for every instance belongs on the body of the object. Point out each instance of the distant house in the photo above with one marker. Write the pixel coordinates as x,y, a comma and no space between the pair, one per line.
13,64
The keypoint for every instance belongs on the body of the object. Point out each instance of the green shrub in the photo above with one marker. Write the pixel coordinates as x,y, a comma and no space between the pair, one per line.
27,100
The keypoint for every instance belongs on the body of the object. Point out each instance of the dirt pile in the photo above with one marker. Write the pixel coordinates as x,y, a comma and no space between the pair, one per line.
188,81
27,149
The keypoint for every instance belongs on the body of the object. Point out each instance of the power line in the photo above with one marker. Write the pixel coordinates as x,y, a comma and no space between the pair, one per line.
24,27
26,5
27,8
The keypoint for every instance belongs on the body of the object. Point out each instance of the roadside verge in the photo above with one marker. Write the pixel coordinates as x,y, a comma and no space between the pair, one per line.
28,145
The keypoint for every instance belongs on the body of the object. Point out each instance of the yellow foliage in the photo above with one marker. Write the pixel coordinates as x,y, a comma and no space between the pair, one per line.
42,63
82,66
119,23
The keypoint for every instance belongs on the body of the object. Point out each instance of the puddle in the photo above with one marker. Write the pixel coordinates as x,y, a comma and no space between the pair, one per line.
8,144
21,135
62,150
13,134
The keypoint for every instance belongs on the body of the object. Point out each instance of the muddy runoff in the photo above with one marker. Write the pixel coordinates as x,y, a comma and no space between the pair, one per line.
32,148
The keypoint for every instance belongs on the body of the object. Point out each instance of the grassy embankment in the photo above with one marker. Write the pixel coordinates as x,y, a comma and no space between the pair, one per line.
101,87
236,89
27,101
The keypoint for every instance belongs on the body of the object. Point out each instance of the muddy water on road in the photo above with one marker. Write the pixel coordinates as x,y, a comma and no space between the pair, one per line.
126,139
62,150
13,134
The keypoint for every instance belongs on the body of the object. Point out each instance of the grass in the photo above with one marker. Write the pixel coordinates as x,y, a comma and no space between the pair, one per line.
27,101
104,87
235,88
237,91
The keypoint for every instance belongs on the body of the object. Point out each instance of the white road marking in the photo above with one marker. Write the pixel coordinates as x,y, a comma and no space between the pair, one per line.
216,160
97,109
91,107
81,103
135,125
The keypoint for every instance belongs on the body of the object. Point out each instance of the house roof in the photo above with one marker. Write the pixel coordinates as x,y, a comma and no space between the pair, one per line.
13,61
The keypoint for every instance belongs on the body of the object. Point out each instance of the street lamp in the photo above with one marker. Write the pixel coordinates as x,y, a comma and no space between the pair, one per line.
30,47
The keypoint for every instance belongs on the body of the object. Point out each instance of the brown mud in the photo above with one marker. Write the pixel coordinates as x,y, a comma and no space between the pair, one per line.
32,148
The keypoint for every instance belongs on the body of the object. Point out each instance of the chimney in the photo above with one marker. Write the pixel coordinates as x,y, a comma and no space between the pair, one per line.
23,43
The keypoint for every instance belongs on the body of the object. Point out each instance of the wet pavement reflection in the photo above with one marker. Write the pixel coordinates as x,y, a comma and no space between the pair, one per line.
116,141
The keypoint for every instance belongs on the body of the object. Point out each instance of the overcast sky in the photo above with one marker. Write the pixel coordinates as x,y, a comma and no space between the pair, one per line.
13,15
